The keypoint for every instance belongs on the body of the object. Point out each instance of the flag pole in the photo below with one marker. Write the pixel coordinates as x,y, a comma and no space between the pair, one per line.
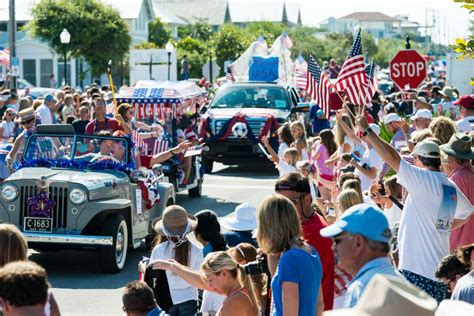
345,104
112,87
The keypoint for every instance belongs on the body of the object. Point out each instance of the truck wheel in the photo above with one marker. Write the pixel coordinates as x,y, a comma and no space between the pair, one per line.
197,191
208,164
112,259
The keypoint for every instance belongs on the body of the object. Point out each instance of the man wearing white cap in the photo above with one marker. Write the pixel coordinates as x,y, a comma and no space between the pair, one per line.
422,119
241,225
370,165
392,121
434,206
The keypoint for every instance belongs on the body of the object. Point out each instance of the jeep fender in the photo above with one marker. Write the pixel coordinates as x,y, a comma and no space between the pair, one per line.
96,207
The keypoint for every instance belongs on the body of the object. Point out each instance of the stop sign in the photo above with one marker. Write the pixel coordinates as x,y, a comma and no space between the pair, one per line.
408,69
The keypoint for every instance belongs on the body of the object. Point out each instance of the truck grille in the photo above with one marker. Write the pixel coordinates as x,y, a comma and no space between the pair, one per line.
256,125
57,194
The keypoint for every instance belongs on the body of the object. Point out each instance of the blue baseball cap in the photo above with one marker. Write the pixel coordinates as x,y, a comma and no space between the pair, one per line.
48,97
361,219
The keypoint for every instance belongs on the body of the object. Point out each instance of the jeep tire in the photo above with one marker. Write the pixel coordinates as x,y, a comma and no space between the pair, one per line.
112,259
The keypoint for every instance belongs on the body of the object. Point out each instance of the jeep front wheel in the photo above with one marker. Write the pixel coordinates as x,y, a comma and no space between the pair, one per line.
112,259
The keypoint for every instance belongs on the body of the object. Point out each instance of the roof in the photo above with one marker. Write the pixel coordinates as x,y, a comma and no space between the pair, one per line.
191,11
370,16
262,11
126,8
167,17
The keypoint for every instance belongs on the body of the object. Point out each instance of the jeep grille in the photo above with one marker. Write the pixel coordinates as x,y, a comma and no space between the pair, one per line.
57,194
256,125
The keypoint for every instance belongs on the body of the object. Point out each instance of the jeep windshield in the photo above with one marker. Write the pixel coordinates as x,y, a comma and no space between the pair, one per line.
83,150
251,97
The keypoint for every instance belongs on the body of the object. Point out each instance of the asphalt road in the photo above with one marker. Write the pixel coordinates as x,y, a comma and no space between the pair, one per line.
82,289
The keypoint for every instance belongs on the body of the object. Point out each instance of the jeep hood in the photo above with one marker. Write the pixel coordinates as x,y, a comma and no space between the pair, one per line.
90,179
219,113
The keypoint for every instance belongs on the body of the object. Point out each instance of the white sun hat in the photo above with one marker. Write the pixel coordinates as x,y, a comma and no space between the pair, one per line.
245,218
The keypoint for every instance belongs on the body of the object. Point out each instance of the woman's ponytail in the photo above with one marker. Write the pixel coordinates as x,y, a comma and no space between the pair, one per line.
246,282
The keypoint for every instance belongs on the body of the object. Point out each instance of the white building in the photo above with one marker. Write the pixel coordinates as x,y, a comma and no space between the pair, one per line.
38,61
379,25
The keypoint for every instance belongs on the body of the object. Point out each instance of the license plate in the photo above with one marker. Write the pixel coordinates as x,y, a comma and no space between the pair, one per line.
38,224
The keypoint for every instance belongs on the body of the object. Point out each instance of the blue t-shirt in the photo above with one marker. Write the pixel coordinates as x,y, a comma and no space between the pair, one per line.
234,238
298,266
318,124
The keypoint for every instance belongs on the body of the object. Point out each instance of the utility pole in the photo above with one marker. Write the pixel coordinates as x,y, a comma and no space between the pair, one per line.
11,40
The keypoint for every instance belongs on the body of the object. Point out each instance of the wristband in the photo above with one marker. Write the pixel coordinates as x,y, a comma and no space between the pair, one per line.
367,131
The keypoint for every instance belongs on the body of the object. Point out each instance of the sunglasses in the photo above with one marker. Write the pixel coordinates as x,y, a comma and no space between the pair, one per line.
337,240
27,122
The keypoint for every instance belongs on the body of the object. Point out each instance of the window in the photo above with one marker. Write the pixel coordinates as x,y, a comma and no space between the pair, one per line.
29,70
46,69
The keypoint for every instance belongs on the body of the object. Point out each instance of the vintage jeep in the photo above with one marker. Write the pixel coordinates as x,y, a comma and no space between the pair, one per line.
238,116
82,191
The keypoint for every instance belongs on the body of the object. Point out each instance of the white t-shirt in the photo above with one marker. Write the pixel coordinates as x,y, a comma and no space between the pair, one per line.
181,291
347,140
393,215
45,114
67,111
285,168
466,124
427,218
281,150
211,302
373,160
8,130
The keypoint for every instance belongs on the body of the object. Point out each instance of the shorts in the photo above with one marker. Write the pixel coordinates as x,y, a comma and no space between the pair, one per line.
327,177
437,290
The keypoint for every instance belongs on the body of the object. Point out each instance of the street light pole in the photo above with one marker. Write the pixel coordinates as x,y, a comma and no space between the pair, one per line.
65,39
65,67
169,49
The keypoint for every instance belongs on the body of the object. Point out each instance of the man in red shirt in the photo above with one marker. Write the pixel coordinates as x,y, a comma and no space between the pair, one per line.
296,188
101,122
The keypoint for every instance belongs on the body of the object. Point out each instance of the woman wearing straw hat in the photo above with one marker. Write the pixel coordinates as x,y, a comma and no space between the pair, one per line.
27,120
173,228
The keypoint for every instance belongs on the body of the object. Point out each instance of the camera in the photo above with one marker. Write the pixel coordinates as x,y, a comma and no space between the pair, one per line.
257,267
382,188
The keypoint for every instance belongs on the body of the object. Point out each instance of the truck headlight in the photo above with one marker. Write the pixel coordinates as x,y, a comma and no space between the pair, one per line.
77,196
9,192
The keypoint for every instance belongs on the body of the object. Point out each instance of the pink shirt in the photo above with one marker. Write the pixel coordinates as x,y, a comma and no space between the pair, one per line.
463,176
321,156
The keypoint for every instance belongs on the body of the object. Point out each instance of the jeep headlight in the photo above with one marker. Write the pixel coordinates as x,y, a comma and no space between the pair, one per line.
9,192
77,196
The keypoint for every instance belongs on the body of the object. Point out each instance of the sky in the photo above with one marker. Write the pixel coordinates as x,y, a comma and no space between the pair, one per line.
457,18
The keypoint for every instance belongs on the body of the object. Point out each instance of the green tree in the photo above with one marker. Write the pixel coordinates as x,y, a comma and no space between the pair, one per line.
368,44
197,53
268,30
200,30
229,43
465,46
158,33
98,33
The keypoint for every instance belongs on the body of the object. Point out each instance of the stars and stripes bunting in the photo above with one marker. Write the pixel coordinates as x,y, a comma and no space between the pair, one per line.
352,76
318,86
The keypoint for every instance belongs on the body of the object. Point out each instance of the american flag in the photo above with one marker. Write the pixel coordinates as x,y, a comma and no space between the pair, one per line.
161,93
139,141
160,145
301,72
194,151
372,82
352,76
5,57
318,85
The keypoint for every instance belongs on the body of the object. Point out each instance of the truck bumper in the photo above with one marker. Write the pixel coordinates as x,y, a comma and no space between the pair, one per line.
69,239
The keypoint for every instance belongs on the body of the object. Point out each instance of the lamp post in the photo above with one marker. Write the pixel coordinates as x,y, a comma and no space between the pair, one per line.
65,39
169,49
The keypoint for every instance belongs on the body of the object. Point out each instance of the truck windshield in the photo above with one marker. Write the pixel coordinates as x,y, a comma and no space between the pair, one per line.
252,97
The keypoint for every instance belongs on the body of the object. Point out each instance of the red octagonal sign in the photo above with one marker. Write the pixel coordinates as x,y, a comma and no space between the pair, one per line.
408,69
